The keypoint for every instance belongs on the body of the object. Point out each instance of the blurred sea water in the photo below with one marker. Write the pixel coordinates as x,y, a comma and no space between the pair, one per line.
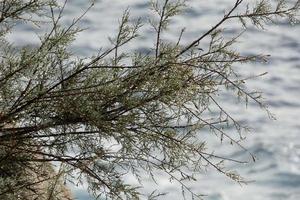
276,143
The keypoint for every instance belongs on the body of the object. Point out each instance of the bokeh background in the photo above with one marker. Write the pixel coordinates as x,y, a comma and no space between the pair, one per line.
276,143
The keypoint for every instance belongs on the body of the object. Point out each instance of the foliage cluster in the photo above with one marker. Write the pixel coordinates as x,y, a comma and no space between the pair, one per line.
117,113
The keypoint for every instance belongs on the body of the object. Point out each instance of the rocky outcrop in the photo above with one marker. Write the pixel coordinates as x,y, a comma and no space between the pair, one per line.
26,175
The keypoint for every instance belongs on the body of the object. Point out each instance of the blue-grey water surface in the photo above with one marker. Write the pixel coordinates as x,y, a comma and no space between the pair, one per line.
276,143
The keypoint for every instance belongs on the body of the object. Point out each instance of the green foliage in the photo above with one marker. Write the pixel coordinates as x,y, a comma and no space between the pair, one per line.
118,112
